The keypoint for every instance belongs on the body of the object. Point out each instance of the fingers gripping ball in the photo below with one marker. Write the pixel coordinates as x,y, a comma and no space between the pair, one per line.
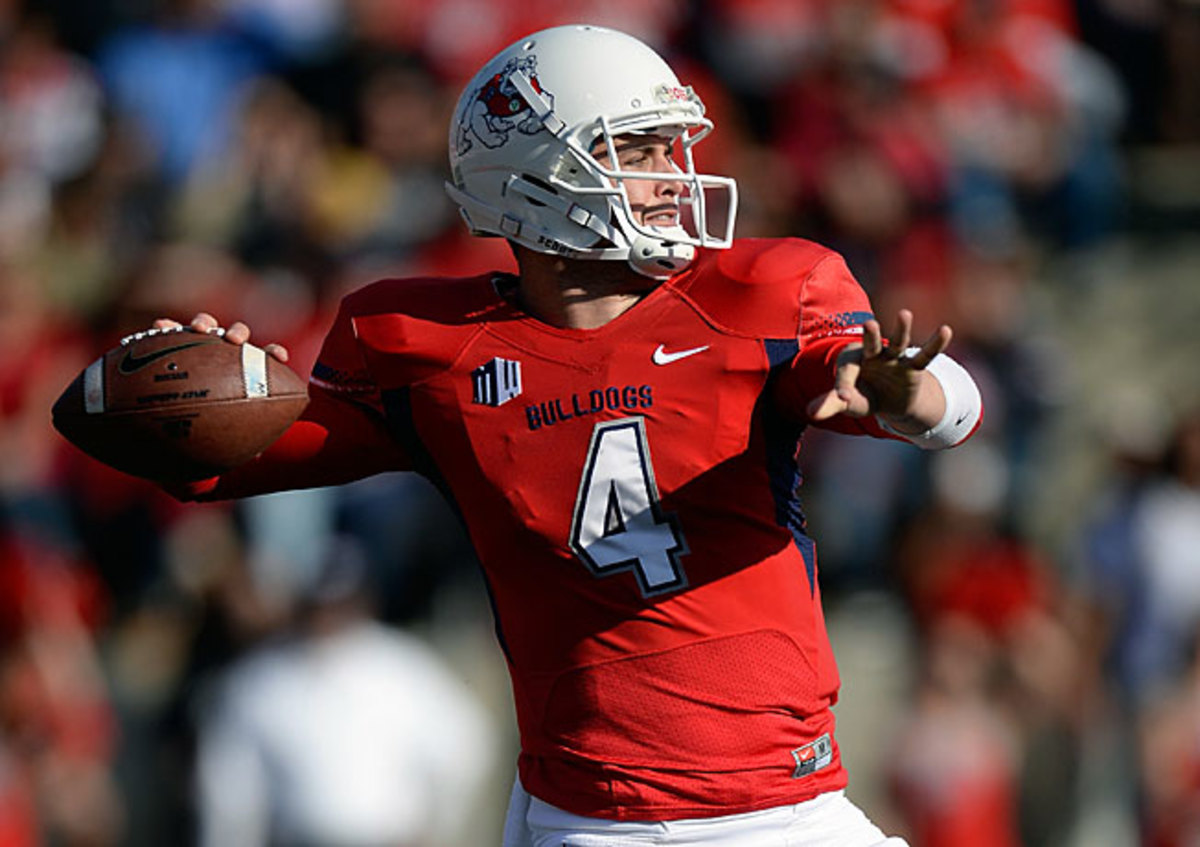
179,405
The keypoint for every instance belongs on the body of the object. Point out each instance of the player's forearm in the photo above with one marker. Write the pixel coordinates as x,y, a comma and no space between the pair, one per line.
292,462
333,443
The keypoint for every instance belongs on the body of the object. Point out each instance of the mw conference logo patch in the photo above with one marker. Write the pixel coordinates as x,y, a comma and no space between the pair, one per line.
495,383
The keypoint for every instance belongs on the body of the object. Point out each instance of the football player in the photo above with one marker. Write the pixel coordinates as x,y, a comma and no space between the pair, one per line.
618,425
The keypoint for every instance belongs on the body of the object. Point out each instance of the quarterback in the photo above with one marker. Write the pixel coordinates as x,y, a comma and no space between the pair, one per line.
618,426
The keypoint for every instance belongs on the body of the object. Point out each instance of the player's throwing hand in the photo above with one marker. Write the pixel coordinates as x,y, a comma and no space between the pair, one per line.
236,333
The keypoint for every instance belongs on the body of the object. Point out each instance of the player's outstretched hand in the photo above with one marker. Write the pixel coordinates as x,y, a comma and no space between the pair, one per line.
235,333
877,379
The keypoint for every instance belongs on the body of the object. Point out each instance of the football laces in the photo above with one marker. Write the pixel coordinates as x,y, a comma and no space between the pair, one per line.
218,331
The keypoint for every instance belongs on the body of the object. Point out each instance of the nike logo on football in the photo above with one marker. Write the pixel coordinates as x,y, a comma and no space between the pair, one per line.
131,363
662,357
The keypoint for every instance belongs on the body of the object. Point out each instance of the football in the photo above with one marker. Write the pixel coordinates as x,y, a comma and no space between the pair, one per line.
176,405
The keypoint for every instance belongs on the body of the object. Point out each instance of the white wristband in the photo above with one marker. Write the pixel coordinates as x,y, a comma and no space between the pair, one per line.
964,406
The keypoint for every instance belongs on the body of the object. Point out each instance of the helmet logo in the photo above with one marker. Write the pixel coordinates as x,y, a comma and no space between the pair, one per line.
681,94
496,109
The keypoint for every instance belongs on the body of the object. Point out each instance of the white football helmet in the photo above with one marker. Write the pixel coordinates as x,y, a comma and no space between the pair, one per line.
521,141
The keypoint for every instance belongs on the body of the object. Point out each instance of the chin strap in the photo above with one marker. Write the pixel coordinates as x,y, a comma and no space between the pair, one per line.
659,258
570,210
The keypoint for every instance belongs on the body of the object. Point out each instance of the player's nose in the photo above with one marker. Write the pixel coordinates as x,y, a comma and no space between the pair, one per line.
668,187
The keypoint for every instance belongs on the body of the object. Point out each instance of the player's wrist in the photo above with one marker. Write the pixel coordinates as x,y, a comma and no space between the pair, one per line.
925,408
962,413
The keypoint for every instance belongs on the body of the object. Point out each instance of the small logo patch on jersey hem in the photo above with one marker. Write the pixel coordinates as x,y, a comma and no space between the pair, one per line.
813,756
496,382
662,357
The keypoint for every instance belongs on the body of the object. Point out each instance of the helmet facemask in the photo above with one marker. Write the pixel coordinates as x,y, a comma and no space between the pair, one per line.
654,250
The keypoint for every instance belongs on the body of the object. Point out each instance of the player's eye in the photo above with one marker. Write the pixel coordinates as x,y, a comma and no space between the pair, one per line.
645,157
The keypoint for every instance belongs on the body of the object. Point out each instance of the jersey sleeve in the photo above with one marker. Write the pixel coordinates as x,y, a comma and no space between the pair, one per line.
833,309
341,436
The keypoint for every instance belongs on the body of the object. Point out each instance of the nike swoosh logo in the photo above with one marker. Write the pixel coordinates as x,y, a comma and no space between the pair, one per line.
662,357
131,363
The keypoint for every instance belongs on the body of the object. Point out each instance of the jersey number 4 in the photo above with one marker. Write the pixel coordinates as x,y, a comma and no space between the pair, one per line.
618,524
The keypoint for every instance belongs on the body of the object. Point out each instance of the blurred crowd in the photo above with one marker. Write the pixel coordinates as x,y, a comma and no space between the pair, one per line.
215,674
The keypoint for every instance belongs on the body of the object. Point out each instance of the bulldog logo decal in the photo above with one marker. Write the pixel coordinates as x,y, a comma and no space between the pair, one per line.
497,109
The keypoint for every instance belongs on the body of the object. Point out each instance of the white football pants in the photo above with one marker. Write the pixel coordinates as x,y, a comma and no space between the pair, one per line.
829,820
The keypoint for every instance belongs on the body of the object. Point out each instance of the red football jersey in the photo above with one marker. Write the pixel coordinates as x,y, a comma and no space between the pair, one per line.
632,493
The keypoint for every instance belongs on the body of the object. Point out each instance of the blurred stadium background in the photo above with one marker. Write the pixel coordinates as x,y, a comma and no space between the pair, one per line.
1016,621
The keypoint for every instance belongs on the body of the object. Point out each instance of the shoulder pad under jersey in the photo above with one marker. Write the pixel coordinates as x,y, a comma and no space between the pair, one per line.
418,325
756,286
